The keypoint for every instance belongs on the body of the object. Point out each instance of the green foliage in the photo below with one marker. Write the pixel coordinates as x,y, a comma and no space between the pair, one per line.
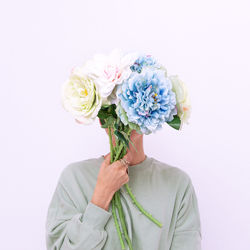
175,123
107,115
109,118
121,137
128,139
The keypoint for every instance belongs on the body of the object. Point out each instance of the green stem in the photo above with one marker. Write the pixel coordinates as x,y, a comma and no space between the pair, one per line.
148,215
113,199
122,218
116,153
111,145
117,224
120,148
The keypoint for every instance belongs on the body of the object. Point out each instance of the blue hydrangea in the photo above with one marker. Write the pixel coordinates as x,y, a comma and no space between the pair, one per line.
144,61
147,99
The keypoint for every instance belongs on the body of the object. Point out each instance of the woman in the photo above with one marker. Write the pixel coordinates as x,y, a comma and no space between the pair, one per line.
80,218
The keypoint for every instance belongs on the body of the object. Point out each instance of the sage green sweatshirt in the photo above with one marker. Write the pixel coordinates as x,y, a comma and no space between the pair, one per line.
166,192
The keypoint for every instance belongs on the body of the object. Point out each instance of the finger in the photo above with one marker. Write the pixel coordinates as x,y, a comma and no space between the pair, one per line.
118,164
127,158
124,165
125,170
107,160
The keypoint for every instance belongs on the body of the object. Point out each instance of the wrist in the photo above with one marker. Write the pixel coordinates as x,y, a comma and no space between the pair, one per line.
102,198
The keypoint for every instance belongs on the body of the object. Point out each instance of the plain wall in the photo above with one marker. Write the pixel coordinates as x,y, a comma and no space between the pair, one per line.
205,42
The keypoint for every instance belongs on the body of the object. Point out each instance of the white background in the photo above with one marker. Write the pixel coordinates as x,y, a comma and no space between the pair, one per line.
205,42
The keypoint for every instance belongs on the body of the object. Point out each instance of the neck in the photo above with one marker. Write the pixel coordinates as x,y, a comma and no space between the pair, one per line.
133,156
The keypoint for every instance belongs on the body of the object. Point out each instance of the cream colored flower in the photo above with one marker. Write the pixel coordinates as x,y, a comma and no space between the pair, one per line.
81,97
182,98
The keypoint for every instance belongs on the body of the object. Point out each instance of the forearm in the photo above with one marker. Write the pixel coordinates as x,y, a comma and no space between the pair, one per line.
68,228
102,197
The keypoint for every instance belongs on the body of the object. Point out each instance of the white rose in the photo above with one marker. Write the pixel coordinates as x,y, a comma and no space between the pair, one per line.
81,97
109,71
182,98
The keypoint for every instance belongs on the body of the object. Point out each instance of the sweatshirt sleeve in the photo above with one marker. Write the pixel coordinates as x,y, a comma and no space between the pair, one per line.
187,235
68,229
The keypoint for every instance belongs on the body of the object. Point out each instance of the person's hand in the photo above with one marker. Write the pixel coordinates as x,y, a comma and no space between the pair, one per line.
110,179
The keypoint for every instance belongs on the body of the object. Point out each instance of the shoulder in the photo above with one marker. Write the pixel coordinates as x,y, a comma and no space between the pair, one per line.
172,175
78,170
174,181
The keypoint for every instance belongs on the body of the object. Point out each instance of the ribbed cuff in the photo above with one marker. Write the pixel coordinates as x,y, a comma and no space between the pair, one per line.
96,216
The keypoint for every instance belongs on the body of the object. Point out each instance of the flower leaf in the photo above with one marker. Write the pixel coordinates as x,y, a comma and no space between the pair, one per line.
102,121
105,106
127,137
104,125
116,126
121,137
103,114
175,123
107,111
111,110
110,120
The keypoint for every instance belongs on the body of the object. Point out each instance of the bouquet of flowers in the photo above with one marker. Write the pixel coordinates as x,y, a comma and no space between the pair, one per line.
127,92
